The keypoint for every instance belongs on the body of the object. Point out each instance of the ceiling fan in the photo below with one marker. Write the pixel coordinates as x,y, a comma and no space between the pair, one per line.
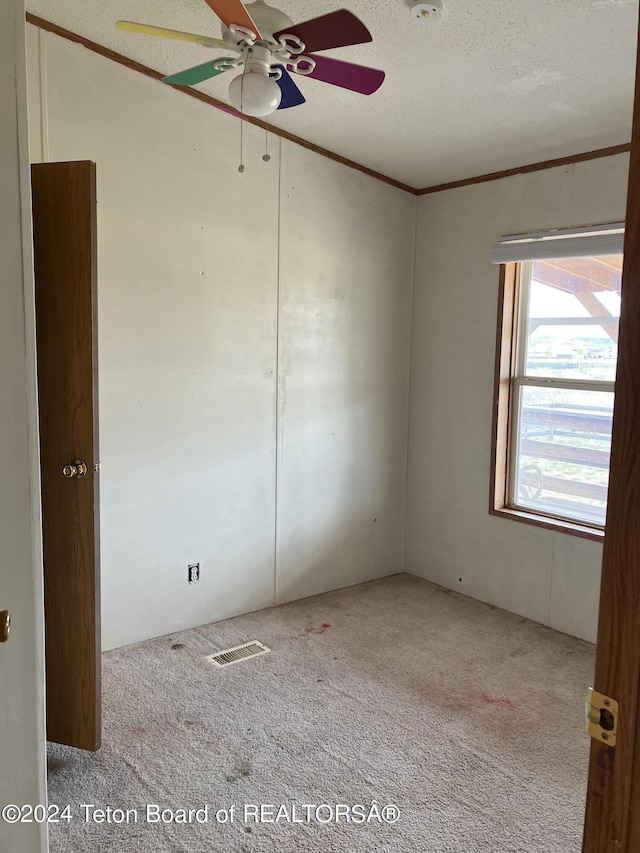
267,46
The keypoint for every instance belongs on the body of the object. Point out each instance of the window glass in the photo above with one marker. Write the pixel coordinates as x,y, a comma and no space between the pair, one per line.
573,309
562,452
562,387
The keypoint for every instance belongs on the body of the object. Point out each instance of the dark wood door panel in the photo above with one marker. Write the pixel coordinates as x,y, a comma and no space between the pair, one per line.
64,220
612,821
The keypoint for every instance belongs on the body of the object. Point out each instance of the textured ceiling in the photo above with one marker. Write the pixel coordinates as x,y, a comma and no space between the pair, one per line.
494,85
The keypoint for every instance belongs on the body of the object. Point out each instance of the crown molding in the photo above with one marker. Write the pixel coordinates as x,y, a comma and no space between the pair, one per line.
532,167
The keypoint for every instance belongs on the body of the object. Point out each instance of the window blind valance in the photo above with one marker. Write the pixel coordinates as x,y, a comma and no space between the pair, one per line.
584,242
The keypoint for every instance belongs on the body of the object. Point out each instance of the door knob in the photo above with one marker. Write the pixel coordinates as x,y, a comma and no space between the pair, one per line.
5,625
78,469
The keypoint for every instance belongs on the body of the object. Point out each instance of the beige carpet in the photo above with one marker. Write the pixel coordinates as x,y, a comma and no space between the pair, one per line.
468,719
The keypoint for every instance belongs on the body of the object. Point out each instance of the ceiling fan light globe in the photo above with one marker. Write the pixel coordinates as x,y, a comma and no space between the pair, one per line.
255,94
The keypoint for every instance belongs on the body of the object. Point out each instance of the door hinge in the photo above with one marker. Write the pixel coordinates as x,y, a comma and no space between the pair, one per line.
601,717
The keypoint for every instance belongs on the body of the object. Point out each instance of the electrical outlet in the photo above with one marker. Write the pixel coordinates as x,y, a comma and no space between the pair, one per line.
193,572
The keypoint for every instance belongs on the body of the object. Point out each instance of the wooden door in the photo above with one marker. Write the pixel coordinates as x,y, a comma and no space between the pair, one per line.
612,821
64,224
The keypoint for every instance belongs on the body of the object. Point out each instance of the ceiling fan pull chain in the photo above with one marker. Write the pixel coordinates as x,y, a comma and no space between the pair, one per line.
266,156
241,166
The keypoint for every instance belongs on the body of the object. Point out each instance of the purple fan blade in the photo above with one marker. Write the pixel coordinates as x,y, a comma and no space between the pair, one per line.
337,29
357,78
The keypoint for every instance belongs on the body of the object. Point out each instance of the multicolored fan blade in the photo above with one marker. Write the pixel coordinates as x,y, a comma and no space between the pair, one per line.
357,78
291,95
198,73
233,12
337,29
161,32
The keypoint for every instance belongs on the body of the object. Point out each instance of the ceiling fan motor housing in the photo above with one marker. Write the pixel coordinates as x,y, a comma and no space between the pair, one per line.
258,59
268,20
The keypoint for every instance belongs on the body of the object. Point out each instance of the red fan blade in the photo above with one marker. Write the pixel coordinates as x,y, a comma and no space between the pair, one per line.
357,78
337,29
233,12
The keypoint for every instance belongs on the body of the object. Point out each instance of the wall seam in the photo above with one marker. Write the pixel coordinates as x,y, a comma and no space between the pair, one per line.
553,557
44,88
276,531
409,384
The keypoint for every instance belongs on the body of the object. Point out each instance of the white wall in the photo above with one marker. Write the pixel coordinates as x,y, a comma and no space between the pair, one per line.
232,309
254,349
346,288
22,748
451,539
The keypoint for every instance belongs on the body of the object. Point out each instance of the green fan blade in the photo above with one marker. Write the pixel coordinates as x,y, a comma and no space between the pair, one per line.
199,72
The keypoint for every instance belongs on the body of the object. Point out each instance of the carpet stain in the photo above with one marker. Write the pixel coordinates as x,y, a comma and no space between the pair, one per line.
189,723
139,730
319,630
241,771
494,700
177,646
55,765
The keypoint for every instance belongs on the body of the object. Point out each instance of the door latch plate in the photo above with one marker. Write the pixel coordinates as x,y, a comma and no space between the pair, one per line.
601,717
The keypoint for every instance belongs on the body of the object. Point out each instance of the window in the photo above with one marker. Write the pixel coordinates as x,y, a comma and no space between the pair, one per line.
556,365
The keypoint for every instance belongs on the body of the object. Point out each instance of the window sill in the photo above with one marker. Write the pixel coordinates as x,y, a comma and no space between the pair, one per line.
583,531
